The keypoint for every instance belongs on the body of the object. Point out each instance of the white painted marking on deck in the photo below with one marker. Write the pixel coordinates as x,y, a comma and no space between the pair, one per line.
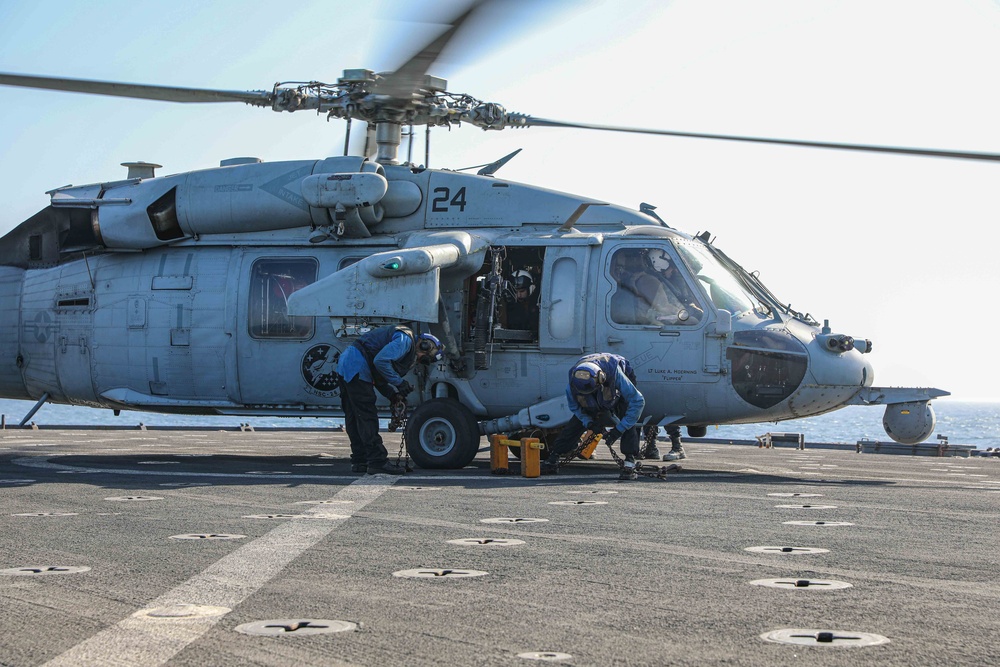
139,640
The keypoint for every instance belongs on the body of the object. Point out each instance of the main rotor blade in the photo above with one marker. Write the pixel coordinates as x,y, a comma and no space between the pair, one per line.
409,76
139,91
930,152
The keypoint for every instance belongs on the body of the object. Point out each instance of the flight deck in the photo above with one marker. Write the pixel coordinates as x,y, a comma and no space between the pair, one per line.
241,547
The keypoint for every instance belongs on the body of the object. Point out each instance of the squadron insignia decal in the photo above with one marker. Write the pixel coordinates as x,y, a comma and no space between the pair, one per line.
319,370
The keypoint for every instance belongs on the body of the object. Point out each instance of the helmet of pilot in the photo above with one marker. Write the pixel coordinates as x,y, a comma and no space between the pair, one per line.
586,378
659,260
523,282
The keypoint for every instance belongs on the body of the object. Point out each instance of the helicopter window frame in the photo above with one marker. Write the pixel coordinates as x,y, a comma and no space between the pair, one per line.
272,281
513,258
719,284
639,299
519,259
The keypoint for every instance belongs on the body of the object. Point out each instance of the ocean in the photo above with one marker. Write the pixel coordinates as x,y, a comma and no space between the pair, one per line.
963,422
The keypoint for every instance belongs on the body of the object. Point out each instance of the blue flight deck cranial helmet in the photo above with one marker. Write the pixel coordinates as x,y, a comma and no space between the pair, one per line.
585,378
429,344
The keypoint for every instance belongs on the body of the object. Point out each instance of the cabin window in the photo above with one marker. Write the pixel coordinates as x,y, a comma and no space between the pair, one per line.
561,314
272,281
650,289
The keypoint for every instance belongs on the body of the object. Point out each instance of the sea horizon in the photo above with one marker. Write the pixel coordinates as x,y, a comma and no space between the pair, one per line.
966,421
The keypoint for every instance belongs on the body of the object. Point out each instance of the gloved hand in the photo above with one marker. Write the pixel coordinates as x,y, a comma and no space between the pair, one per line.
612,436
591,426
404,389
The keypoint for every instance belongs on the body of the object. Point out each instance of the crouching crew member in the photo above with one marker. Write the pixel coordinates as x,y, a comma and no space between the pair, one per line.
601,394
380,358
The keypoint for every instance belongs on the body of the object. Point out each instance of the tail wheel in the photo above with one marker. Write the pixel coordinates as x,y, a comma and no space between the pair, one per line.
442,433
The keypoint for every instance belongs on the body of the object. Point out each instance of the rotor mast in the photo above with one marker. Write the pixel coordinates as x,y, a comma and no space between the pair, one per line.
388,136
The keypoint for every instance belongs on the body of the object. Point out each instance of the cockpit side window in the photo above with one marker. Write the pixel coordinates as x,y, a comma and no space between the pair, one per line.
650,289
272,281
724,290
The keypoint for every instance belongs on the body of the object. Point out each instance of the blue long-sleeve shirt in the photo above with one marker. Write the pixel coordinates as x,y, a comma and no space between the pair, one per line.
352,362
628,393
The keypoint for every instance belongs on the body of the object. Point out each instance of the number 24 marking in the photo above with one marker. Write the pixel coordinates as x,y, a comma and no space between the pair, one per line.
444,201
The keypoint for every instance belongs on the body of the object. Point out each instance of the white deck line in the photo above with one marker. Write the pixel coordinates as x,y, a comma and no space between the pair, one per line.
225,583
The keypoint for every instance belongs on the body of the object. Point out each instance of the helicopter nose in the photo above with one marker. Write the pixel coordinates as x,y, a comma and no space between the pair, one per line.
11,379
835,368
833,379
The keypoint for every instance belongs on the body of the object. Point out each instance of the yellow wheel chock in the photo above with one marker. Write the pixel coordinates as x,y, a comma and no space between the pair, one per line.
531,460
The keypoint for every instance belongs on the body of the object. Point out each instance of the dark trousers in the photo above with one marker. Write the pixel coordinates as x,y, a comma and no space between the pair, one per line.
569,437
357,398
674,432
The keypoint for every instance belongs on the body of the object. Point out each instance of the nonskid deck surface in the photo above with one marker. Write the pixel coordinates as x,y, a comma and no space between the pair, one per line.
154,547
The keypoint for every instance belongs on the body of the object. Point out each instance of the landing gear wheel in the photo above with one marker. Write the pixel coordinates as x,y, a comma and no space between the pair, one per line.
442,433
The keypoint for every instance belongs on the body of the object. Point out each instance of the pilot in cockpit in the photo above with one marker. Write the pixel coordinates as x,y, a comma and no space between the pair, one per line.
642,296
664,269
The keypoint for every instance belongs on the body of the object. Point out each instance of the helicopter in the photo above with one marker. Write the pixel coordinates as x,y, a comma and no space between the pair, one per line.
233,290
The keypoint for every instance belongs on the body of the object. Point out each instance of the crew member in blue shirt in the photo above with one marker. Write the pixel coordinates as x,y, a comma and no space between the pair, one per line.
601,394
378,359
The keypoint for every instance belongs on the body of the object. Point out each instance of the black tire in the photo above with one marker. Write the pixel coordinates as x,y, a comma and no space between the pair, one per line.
442,433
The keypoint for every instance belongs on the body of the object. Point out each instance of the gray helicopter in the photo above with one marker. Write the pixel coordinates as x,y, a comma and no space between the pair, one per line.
233,290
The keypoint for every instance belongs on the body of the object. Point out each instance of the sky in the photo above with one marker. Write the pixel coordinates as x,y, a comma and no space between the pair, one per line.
899,250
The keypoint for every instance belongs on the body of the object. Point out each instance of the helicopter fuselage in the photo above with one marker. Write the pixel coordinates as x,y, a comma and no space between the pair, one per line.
234,290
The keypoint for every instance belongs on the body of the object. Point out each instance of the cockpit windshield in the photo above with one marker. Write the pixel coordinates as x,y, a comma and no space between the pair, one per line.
725,290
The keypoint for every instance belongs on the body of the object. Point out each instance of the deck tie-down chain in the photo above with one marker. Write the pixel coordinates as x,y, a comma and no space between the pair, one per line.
397,422
649,440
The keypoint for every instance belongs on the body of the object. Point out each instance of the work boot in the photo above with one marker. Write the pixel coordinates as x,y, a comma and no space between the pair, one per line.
386,469
359,467
628,472
675,454
550,467
652,453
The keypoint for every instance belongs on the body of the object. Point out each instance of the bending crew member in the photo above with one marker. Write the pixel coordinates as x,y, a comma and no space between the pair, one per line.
601,394
380,358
